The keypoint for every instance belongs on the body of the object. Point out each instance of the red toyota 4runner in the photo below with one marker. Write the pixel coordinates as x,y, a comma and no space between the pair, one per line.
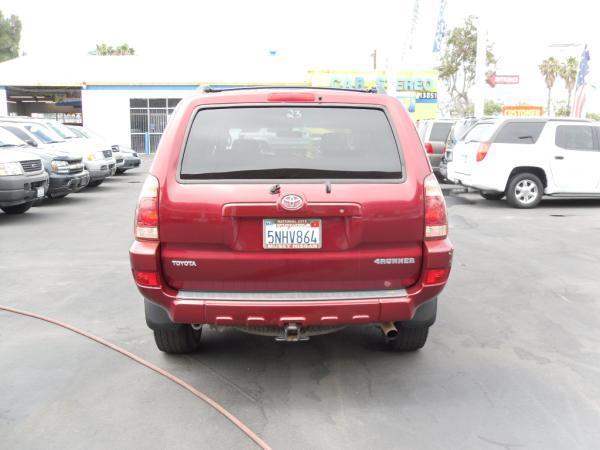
290,213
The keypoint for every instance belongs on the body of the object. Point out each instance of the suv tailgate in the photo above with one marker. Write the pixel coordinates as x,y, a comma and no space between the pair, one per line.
239,163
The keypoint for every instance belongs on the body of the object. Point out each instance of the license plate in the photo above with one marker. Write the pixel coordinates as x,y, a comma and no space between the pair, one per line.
40,192
292,233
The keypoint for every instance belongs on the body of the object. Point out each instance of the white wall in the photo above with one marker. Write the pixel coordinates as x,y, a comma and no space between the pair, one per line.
106,110
3,104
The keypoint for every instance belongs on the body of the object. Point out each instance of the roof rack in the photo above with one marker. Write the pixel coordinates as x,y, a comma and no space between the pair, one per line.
211,90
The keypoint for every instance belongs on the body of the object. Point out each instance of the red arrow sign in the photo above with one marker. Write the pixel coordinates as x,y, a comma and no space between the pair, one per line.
493,79
507,79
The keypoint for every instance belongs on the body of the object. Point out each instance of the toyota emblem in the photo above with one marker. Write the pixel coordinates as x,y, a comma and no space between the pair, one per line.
292,202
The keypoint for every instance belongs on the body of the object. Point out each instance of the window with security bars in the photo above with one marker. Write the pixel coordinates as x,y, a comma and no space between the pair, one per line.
148,119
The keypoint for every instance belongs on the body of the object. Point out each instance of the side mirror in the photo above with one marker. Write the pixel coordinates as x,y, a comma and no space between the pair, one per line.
31,142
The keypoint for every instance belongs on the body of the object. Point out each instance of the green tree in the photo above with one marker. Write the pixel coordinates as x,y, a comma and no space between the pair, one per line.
561,109
549,68
10,36
491,108
568,72
103,49
457,65
593,116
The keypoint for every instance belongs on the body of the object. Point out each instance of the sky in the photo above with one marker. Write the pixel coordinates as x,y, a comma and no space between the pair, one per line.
318,34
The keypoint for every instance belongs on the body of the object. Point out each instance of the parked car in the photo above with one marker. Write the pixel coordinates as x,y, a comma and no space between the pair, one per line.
434,134
457,132
291,242
126,158
131,158
66,171
99,163
526,158
23,180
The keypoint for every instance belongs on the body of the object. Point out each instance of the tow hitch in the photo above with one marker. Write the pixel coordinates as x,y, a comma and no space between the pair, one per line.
292,332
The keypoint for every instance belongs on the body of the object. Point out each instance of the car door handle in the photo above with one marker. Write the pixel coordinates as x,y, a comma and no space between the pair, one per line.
559,157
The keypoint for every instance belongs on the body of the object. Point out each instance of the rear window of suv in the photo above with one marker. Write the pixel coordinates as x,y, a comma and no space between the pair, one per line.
290,143
440,131
519,133
479,133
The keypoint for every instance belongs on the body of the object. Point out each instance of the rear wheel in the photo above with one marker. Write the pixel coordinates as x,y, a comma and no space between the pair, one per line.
183,339
17,209
409,339
524,190
95,183
490,195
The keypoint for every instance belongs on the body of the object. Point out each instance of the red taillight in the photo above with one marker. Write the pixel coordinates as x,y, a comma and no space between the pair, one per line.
429,147
291,97
146,214
482,150
435,276
148,279
436,220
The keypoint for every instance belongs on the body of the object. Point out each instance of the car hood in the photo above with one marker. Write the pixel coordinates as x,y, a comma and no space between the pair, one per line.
52,153
86,145
59,150
15,154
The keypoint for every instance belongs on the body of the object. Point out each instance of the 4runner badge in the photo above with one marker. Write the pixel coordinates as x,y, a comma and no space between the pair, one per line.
394,261
183,263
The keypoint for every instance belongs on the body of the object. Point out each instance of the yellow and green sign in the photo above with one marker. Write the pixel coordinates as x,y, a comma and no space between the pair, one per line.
416,89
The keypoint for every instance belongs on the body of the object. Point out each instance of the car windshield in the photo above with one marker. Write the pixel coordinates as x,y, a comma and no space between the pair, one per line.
61,130
7,139
91,134
290,142
43,134
79,132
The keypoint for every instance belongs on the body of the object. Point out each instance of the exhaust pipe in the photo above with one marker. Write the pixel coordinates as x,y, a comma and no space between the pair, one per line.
389,330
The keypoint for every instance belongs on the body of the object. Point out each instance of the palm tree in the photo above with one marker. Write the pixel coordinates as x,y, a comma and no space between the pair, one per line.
568,72
550,69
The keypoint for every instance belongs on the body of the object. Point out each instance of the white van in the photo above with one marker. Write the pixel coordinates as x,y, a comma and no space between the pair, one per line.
526,158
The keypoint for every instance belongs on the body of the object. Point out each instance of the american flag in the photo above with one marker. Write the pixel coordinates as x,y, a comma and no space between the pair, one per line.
581,86
441,28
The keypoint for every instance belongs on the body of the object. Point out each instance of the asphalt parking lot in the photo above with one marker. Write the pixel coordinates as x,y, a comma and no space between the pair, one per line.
513,361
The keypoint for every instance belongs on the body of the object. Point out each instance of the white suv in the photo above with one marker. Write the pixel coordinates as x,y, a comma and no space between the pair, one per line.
525,158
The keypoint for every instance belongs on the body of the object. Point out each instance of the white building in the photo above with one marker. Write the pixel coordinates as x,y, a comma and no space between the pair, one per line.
125,98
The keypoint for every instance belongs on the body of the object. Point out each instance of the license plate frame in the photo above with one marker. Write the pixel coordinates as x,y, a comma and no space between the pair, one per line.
293,224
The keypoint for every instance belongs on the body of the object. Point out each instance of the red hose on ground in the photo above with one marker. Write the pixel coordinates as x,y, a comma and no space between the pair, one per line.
237,422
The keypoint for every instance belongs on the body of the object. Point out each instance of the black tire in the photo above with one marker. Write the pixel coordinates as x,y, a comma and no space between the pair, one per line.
17,209
95,183
528,182
409,339
181,340
121,171
55,196
489,195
